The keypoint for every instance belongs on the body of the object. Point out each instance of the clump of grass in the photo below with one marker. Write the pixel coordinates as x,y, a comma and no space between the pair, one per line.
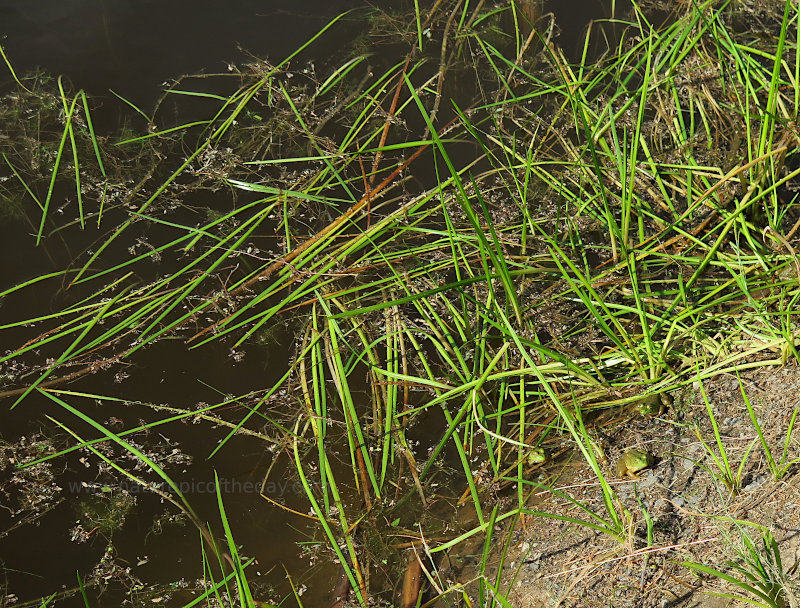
758,574
722,468
777,467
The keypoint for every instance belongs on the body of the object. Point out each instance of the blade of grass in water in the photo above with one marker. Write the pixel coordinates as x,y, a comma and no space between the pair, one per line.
11,69
69,111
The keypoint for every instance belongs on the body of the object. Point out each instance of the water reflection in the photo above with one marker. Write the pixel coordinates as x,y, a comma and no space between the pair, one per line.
133,46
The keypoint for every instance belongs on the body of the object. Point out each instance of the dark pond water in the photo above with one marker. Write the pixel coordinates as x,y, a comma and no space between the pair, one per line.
133,47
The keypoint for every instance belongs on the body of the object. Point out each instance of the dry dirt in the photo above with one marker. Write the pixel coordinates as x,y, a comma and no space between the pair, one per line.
694,517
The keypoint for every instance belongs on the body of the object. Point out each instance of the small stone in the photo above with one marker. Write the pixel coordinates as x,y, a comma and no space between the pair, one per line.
648,480
754,483
663,506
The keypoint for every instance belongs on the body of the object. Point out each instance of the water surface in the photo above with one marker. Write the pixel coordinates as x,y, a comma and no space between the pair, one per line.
134,48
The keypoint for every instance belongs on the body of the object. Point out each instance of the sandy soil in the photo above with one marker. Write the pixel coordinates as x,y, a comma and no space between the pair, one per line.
694,517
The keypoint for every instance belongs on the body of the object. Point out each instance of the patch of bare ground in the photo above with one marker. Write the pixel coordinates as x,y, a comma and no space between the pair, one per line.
679,502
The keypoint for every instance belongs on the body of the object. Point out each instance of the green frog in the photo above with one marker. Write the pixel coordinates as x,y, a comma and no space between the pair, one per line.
654,405
536,456
633,461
